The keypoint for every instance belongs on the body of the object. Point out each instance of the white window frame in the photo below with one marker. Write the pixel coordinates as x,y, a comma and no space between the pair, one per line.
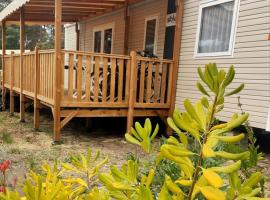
102,28
149,18
229,53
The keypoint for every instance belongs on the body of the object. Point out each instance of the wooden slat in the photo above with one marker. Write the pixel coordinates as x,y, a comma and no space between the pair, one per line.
46,87
142,80
127,88
105,80
88,78
163,83
156,83
149,82
79,78
112,85
70,76
170,82
62,75
120,79
96,86
52,73
40,74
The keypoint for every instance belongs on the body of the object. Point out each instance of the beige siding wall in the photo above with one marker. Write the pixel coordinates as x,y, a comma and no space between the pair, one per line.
138,13
86,31
70,37
251,59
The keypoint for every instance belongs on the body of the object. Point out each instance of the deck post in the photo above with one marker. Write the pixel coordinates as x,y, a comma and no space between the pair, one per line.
77,30
36,101
11,93
176,51
57,70
132,89
3,64
22,98
127,24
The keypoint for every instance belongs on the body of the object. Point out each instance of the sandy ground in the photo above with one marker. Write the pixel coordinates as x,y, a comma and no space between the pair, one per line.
29,148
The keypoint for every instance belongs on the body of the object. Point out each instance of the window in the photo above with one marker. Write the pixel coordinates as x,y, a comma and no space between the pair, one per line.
216,28
103,39
150,38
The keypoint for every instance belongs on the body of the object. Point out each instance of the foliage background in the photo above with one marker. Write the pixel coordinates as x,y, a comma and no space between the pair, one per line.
43,36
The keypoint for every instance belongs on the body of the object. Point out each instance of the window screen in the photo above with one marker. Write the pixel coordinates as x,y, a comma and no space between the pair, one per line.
215,28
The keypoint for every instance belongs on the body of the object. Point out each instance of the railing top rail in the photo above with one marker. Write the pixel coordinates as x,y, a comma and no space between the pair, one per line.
46,51
153,59
29,53
97,54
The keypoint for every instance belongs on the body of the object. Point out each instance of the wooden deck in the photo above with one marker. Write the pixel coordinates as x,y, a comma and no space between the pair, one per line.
92,84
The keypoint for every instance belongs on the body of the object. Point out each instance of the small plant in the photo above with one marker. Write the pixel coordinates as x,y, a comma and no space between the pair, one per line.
4,167
5,136
124,184
85,166
142,136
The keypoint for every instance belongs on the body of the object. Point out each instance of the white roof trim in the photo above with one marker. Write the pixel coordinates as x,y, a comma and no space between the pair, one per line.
12,7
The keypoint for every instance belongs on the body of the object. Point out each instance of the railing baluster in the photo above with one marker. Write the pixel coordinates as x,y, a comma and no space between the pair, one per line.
96,85
70,76
128,73
156,83
79,78
142,80
62,76
149,82
120,79
163,83
169,87
88,79
105,79
112,84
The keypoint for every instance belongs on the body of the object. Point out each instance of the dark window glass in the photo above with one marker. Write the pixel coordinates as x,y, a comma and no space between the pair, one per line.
150,35
108,41
97,47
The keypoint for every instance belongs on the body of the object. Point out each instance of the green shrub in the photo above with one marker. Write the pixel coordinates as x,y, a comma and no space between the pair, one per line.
191,165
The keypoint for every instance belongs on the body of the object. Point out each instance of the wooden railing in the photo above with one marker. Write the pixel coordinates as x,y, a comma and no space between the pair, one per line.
92,79
154,83
28,73
45,74
7,71
95,80
16,68
38,71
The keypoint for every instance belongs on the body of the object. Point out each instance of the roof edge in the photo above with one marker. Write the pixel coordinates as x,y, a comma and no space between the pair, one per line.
11,8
